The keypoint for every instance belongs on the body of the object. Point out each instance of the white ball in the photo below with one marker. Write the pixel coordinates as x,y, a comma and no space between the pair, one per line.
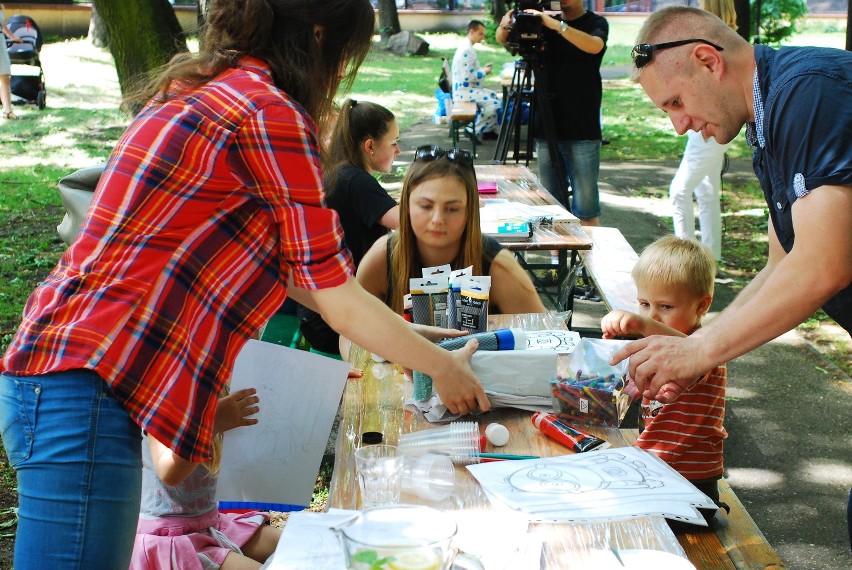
497,434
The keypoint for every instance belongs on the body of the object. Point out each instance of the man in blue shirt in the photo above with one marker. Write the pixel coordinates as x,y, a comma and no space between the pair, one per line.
795,103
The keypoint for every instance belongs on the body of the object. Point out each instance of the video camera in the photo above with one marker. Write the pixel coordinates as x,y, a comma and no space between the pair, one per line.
526,35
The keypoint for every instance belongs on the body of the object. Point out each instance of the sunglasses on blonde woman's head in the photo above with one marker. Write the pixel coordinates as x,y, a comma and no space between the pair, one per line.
642,53
431,152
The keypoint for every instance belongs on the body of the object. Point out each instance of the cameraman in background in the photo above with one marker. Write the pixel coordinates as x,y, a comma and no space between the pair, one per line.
572,48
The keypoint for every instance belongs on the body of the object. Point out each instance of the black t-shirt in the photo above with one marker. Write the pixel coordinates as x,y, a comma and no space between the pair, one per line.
361,202
574,81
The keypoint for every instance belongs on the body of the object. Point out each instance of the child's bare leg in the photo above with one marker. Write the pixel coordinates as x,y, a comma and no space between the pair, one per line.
262,544
234,561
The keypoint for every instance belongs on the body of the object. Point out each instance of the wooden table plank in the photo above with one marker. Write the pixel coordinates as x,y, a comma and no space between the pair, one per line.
609,263
374,403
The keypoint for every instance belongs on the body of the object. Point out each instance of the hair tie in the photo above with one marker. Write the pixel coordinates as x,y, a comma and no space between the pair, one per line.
354,102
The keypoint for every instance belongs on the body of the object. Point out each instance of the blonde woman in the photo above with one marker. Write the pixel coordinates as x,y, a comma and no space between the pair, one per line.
438,225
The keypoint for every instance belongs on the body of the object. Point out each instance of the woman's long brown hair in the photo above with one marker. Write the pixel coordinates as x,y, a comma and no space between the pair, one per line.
405,261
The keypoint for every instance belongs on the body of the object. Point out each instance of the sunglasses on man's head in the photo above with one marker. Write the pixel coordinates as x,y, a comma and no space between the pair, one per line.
642,53
431,152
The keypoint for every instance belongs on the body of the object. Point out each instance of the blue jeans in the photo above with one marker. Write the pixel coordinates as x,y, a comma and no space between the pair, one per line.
78,459
582,160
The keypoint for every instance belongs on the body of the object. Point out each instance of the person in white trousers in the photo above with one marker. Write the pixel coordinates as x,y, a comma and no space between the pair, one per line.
699,174
700,170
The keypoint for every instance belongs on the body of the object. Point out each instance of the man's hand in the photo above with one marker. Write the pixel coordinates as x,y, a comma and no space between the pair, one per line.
663,367
234,410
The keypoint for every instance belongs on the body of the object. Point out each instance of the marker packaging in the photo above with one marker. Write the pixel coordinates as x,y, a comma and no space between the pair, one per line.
429,301
576,440
438,271
453,294
473,304
501,339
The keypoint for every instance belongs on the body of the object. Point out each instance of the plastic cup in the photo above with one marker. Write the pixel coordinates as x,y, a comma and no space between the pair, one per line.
379,470
429,476
459,441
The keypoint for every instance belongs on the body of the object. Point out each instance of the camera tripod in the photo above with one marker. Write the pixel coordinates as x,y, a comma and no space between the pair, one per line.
521,92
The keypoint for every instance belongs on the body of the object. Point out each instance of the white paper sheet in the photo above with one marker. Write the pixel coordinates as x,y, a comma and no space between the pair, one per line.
495,209
274,464
606,485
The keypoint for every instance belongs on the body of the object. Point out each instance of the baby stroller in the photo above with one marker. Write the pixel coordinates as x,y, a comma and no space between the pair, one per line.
27,88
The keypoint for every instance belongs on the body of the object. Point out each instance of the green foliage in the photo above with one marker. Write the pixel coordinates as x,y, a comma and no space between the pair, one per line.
779,19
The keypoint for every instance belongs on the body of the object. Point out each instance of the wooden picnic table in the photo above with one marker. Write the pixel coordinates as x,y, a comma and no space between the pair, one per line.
375,403
564,234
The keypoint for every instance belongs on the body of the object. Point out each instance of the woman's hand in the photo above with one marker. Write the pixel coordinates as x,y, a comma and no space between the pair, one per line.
458,386
234,410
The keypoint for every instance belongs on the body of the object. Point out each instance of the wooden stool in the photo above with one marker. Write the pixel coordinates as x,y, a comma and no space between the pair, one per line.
462,114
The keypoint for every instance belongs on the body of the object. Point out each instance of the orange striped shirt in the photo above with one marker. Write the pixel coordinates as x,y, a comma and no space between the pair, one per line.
689,434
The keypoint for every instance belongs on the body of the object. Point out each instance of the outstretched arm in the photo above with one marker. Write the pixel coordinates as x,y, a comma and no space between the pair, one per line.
788,290
170,467
625,323
232,411
358,315
583,41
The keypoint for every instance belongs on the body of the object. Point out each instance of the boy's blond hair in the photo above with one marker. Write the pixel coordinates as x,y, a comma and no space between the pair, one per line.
677,262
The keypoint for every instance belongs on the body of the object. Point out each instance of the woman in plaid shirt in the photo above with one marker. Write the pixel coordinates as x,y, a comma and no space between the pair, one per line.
209,213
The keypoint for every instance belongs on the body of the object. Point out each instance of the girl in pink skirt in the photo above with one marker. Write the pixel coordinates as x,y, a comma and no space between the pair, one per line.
180,526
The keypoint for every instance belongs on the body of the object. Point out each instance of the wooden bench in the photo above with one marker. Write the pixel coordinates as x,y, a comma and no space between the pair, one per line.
462,114
609,264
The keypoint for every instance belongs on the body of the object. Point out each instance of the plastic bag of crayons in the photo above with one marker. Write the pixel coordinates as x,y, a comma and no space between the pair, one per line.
591,392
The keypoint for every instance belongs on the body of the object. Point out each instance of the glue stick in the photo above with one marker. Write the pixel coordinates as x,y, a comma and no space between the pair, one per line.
558,430
501,339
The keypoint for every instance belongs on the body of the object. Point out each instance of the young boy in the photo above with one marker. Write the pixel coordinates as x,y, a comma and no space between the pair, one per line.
674,281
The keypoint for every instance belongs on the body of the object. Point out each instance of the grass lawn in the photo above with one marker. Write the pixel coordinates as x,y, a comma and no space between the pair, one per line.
81,125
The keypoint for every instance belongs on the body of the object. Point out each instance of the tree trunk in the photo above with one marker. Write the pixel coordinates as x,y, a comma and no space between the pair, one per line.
388,19
498,10
143,35
743,15
97,33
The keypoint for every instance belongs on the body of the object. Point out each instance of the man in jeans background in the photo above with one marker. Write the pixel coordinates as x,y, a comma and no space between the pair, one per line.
575,42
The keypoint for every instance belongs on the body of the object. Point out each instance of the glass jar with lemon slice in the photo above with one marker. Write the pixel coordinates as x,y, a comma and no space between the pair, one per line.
402,537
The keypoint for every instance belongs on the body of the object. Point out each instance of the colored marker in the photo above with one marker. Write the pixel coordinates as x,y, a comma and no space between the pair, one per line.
506,456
